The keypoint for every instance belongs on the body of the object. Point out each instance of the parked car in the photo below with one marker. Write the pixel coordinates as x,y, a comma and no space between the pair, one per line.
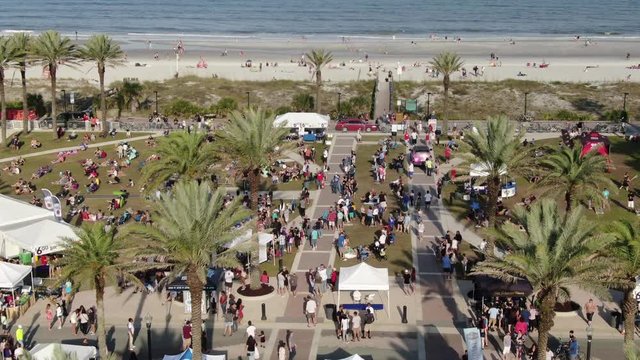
355,125
420,154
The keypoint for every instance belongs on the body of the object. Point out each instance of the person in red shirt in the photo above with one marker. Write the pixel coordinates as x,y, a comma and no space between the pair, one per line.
521,326
186,335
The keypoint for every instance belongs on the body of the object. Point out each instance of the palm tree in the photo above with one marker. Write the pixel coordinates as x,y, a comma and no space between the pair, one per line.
52,50
253,141
577,177
95,258
181,156
318,59
446,63
102,50
8,55
22,42
498,150
131,92
624,254
191,225
553,252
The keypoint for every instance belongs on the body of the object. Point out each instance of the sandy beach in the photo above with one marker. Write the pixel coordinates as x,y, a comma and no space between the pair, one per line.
594,60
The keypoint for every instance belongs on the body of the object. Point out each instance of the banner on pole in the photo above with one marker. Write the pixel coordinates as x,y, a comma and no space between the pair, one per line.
474,343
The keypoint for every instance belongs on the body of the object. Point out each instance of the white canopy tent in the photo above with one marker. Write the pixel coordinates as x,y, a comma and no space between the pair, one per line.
11,275
302,121
27,227
364,277
352,357
263,240
46,351
188,355
482,170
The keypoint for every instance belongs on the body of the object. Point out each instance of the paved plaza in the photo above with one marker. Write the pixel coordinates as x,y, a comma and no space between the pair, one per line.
437,312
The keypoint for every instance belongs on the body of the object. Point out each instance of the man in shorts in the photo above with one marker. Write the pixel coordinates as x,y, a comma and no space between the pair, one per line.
406,282
310,310
228,279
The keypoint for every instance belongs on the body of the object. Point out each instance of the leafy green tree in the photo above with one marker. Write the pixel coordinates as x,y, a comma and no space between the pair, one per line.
8,55
574,176
95,258
22,43
303,102
446,63
104,52
52,50
191,229
182,156
498,149
318,58
624,255
553,251
225,106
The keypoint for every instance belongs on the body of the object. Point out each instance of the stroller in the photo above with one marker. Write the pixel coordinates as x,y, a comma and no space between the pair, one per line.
363,253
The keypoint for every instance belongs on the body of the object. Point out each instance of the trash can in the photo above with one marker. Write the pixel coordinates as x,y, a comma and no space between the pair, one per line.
330,311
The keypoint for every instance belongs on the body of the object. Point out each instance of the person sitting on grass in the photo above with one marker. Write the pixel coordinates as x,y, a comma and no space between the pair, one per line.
35,144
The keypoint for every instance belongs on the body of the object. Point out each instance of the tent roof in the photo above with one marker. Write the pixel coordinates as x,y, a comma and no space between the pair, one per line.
306,119
41,236
363,277
12,274
188,355
213,279
263,239
45,351
13,211
490,286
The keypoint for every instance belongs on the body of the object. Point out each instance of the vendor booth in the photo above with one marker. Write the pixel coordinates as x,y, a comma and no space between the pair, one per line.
310,126
180,286
264,239
48,351
16,285
594,142
364,277
479,170
27,227
188,355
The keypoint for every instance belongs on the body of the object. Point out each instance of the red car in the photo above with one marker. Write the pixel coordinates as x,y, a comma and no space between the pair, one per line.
355,125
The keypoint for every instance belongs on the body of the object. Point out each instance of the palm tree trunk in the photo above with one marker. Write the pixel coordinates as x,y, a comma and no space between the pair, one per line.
254,183
101,330
492,199
195,287
568,199
54,107
445,114
629,309
547,314
318,86
3,108
103,100
25,105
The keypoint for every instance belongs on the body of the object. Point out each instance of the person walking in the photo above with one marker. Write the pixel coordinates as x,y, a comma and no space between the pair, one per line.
251,348
228,323
49,315
186,335
427,200
506,346
356,326
20,335
590,309
131,332
59,315
310,310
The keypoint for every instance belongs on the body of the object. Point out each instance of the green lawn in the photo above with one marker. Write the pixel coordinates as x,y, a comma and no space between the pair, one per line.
624,157
49,141
399,255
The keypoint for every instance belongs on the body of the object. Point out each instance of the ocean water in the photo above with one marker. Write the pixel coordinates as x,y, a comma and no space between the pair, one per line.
325,18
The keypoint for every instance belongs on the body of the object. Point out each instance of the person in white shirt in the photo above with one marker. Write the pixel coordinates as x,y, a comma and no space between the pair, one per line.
310,310
427,199
506,343
383,238
130,332
251,330
18,352
228,279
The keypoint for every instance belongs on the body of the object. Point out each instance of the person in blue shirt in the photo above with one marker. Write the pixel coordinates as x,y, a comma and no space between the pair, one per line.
446,266
574,348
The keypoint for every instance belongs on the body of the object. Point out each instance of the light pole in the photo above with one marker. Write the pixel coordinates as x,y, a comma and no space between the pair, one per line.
428,104
589,338
525,103
248,99
156,92
64,100
339,95
147,322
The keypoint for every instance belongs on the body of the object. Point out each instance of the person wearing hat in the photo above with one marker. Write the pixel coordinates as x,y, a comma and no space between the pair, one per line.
20,335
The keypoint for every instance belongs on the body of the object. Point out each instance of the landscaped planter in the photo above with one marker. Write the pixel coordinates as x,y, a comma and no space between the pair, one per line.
567,309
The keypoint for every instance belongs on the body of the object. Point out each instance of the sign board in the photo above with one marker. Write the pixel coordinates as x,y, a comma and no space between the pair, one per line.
48,199
411,105
474,343
72,98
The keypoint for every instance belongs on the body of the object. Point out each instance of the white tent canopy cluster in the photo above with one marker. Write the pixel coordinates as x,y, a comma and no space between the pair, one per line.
364,277
27,227
302,121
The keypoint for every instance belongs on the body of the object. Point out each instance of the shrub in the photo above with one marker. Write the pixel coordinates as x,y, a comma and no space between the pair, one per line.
224,106
616,116
181,107
303,102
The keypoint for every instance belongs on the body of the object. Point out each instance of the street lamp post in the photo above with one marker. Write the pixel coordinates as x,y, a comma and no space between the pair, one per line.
248,99
339,95
156,92
589,338
64,100
525,103
147,321
428,104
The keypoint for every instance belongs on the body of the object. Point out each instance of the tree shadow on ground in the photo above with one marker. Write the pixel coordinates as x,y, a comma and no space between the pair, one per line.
588,105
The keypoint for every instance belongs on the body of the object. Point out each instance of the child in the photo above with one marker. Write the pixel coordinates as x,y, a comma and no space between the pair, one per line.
263,338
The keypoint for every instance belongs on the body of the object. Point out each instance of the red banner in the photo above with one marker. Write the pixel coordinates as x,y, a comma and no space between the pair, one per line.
16,114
